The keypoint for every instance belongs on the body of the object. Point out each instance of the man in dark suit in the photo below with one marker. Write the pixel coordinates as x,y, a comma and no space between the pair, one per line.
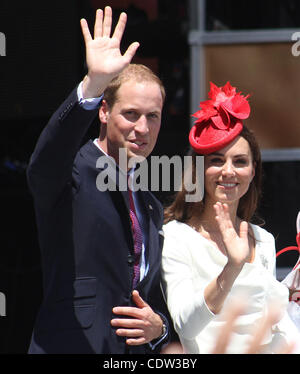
87,237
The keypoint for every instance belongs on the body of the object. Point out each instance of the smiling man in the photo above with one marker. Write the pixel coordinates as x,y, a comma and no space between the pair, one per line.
101,251
131,115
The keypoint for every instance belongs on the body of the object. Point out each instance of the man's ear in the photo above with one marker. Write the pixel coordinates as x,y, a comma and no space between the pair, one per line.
104,112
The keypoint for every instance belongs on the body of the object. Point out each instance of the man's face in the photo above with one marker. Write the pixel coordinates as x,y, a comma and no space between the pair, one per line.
134,120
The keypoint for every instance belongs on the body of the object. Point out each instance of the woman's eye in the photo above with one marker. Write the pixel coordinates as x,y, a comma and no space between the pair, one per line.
216,160
241,161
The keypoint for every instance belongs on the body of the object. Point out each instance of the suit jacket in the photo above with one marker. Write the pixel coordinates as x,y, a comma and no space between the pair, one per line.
86,241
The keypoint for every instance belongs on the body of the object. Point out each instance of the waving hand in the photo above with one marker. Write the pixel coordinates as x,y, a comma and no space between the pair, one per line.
103,56
236,243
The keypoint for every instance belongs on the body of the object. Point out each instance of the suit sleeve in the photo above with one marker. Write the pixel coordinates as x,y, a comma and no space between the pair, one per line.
51,164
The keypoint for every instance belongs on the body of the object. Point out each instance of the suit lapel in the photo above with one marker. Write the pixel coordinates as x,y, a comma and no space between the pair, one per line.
116,180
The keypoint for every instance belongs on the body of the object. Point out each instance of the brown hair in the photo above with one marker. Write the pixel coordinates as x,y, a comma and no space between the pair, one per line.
183,211
133,72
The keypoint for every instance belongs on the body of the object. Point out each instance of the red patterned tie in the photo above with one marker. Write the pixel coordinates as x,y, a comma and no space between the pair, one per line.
137,238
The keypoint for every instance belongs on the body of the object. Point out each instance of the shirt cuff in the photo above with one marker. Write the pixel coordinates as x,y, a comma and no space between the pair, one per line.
88,104
154,343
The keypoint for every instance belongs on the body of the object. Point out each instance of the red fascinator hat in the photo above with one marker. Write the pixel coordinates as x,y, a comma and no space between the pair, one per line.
220,119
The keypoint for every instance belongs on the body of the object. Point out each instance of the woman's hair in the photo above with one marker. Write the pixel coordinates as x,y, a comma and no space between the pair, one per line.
184,211
133,72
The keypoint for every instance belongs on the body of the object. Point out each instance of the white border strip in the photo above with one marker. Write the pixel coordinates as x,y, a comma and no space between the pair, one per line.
198,37
280,154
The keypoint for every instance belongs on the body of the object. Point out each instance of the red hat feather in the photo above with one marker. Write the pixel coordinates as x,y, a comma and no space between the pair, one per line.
219,120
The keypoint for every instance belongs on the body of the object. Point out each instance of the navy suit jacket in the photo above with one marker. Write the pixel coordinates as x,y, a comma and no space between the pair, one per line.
86,242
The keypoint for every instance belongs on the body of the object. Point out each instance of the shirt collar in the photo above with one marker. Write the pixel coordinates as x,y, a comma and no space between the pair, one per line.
129,173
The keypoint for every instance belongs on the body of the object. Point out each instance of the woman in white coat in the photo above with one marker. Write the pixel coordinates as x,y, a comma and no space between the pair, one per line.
211,249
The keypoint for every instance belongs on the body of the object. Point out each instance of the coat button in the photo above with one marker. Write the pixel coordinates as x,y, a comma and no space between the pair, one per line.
130,260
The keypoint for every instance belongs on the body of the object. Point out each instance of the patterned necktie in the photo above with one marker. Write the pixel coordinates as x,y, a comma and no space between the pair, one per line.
137,238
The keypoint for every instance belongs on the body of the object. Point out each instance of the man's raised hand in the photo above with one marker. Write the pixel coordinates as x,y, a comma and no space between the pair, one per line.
103,56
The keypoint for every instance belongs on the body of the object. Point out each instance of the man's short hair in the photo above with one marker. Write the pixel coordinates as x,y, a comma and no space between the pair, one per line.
133,72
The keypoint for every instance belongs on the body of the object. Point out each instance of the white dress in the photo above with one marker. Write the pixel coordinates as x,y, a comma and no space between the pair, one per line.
190,262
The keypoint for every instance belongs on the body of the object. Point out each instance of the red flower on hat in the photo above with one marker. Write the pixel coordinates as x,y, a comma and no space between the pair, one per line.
224,102
220,119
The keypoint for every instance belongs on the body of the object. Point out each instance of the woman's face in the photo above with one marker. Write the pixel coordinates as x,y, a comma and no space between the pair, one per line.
229,172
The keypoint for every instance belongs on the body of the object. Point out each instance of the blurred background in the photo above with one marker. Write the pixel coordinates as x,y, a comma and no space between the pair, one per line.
188,43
